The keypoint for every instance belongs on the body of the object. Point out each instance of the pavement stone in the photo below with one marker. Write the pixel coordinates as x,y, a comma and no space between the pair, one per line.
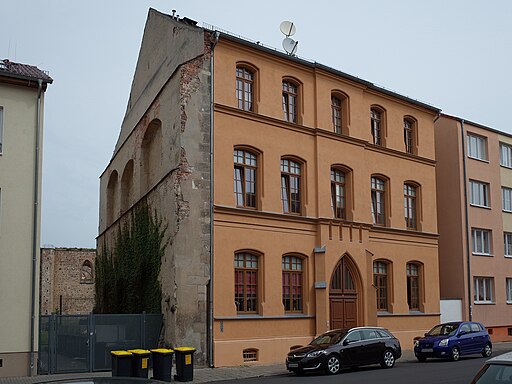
209,375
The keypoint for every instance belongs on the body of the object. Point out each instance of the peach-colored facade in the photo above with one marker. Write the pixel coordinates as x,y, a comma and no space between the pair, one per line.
222,274
315,236
473,222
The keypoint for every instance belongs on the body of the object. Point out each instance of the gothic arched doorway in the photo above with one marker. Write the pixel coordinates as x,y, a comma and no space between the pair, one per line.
343,295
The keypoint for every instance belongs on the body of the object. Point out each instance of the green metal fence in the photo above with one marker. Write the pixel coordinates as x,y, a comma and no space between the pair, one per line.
82,343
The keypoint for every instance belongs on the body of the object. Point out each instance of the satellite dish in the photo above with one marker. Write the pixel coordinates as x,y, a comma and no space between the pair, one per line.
287,28
290,46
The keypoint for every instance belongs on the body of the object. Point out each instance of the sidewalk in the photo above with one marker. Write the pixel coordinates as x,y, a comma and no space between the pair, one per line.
208,375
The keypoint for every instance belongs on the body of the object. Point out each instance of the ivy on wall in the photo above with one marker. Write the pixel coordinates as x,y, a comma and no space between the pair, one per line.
127,275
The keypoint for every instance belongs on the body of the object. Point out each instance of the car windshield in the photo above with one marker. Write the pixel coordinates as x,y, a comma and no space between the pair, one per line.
443,330
328,338
494,373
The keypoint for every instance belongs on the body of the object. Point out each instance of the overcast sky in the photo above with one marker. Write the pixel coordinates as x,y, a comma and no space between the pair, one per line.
453,54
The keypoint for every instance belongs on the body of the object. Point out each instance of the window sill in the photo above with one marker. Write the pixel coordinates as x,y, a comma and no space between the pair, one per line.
482,254
261,317
508,256
477,159
480,206
484,303
506,211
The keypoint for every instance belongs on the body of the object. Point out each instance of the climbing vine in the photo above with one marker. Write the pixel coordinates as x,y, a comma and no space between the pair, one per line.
127,275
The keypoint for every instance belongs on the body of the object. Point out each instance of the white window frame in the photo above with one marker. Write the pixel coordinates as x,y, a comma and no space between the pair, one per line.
481,239
508,289
479,193
506,155
507,243
477,147
486,288
1,128
506,199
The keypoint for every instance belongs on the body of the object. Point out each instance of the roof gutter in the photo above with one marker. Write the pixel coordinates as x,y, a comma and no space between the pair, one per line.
35,232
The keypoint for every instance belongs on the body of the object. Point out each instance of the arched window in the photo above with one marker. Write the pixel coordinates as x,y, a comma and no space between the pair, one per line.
292,283
245,88
127,186
151,154
245,164
378,200
338,193
246,282
377,125
413,286
336,114
410,206
380,281
340,112
112,197
86,273
291,186
410,135
342,280
290,101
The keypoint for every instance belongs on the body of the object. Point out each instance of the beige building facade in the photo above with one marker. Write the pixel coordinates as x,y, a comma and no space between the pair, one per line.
298,198
22,91
474,177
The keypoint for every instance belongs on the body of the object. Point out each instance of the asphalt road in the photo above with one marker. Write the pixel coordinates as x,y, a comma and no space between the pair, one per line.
432,371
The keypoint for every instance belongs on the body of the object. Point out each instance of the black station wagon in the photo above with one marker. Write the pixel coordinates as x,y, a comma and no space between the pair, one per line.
341,348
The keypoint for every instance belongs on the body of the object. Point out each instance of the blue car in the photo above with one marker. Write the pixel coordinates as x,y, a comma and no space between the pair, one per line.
453,340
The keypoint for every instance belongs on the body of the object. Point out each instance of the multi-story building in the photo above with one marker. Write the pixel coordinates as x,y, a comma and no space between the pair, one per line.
298,198
474,179
22,90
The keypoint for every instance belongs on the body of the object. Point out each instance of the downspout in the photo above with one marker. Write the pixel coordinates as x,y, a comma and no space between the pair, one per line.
35,228
468,232
214,39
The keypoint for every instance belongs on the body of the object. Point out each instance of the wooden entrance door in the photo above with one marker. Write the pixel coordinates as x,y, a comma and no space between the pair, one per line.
343,296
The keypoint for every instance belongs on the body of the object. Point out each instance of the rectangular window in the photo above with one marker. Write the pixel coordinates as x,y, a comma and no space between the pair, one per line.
477,147
380,280
378,201
508,286
479,193
483,290
507,240
506,155
506,199
1,128
481,241
290,94
290,186
375,118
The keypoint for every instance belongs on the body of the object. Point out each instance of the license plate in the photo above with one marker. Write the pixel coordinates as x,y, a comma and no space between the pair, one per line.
293,365
427,350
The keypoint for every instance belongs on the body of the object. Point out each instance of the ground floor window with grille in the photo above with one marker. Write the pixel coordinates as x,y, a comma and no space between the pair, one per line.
250,355
483,290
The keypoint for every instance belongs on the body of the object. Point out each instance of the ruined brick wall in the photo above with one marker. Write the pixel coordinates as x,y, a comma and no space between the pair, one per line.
65,272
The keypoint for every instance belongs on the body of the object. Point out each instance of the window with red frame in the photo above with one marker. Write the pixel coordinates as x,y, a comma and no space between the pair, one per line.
246,282
292,284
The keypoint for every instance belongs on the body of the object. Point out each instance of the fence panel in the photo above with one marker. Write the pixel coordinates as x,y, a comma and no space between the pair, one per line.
72,344
82,343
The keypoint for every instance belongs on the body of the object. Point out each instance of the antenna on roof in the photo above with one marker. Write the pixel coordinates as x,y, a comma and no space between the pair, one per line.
289,45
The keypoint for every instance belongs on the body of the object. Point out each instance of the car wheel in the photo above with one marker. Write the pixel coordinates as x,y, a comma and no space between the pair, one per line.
455,354
421,358
388,359
487,350
332,365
